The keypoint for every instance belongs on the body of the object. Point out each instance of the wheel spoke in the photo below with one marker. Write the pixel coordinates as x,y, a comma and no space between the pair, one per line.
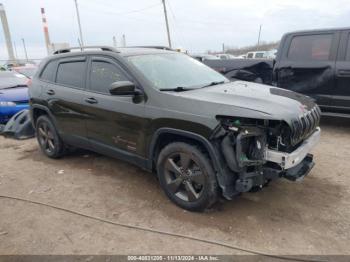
50,144
42,132
50,135
185,161
45,143
171,166
45,128
175,184
191,192
197,177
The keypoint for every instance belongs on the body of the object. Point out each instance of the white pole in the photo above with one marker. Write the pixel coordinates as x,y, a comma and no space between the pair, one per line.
7,34
114,42
79,24
124,41
167,23
259,37
25,49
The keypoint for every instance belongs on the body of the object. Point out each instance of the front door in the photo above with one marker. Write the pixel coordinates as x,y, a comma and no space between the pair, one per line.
341,93
115,123
307,65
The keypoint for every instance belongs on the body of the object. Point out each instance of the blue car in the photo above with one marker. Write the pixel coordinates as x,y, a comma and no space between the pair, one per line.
13,94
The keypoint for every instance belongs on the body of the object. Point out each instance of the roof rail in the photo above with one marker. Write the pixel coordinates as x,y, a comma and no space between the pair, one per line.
83,48
153,46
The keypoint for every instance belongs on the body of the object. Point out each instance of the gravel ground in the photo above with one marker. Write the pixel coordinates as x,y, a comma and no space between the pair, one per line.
311,217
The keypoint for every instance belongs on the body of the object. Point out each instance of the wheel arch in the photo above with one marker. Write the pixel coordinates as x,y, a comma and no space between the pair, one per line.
158,142
39,110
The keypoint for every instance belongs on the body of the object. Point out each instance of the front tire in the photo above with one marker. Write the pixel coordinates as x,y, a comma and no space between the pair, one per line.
187,177
49,141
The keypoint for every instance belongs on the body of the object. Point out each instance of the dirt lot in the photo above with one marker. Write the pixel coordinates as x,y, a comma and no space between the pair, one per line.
312,217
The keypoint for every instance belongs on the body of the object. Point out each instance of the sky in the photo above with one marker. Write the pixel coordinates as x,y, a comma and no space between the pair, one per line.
195,25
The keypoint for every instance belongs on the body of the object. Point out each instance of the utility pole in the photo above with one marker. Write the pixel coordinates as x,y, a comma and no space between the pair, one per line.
259,37
46,31
223,47
7,34
114,42
167,23
25,49
124,41
80,45
79,24
16,55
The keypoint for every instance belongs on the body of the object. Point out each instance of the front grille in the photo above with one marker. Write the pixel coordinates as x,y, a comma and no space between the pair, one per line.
305,125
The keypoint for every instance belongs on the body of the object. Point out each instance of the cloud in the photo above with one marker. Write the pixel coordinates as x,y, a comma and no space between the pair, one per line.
197,25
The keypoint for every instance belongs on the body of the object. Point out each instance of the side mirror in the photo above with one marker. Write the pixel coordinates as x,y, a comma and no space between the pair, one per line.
123,88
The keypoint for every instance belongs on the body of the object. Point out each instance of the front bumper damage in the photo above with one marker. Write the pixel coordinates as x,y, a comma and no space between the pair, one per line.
289,160
251,175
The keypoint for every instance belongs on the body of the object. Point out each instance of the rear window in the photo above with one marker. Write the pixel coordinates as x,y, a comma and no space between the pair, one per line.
310,47
250,55
71,73
49,72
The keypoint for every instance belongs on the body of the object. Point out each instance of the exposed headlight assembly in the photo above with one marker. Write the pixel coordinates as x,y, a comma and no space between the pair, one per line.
7,103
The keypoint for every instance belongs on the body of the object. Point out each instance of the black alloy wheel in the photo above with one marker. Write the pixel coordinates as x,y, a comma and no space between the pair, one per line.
184,177
187,176
46,138
49,141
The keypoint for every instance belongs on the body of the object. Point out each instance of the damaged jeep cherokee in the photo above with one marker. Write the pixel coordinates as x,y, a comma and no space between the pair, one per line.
203,136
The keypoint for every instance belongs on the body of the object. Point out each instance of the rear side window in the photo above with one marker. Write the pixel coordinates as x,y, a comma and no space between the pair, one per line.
103,74
310,47
259,55
71,73
49,72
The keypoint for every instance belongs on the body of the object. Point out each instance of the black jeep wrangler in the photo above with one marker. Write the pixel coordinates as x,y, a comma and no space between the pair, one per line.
164,111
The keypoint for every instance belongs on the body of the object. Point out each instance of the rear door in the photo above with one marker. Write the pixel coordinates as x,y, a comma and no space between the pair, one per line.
115,123
341,93
307,65
65,99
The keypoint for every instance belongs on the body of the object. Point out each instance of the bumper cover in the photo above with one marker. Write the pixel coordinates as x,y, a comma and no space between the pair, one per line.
290,160
7,112
298,172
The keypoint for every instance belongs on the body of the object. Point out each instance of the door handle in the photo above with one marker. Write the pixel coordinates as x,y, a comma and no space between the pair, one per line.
50,92
91,100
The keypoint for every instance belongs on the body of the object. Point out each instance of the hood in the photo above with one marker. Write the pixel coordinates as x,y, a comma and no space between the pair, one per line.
246,99
14,94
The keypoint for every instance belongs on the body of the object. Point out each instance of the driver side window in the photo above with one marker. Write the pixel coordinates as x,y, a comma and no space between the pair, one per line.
103,74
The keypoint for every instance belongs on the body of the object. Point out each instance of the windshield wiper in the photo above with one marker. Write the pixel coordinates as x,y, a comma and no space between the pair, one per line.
176,89
213,83
181,88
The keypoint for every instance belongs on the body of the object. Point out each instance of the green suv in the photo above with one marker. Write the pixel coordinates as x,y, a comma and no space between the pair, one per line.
203,136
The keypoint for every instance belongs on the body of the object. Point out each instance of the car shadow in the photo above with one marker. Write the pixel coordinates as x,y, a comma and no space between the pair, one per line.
281,202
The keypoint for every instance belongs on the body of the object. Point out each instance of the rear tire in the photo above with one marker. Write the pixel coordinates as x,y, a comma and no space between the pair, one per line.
187,177
49,141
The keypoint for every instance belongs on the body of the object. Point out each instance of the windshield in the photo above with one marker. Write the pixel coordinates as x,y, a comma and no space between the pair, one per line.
172,70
